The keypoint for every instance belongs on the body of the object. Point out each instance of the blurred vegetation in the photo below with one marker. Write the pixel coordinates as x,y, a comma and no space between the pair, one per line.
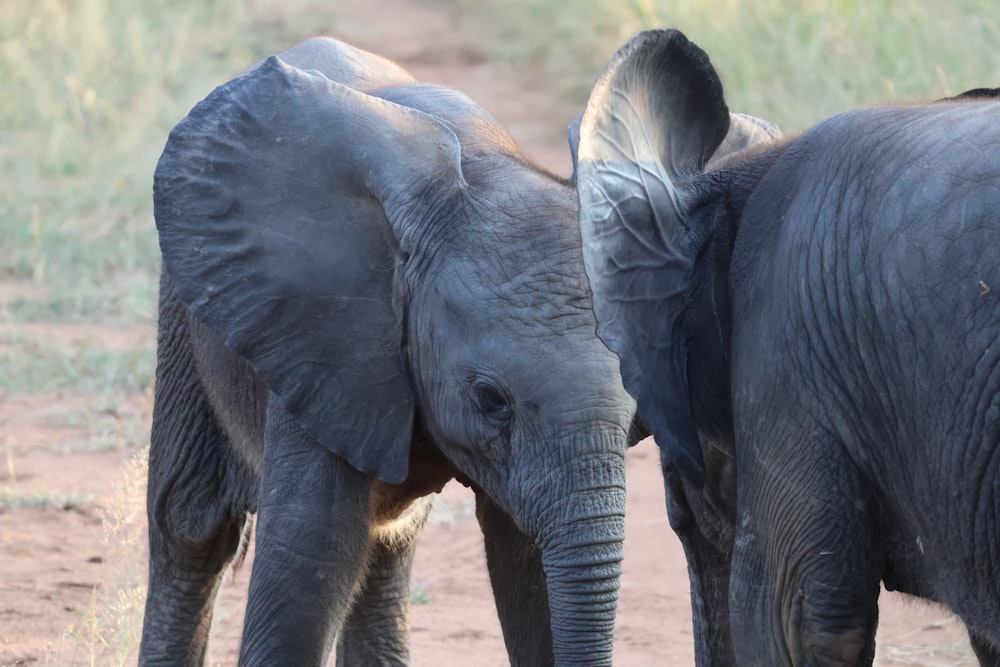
30,365
792,63
91,88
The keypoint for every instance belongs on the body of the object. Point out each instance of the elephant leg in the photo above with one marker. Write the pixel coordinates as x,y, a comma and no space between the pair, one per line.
986,652
707,546
198,500
519,586
377,631
312,541
805,575
708,571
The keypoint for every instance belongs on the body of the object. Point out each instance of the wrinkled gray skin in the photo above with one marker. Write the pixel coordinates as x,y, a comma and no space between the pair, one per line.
368,291
810,329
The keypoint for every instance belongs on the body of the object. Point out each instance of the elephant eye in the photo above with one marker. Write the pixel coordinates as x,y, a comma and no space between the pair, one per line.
492,401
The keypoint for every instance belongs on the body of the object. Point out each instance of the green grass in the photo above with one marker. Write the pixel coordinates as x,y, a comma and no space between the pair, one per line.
420,595
31,365
49,500
794,67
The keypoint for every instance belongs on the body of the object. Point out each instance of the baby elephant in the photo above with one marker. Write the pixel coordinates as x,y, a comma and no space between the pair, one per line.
367,291
812,331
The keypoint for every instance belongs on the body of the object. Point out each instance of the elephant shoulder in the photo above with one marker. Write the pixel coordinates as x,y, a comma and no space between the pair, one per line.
895,133
890,179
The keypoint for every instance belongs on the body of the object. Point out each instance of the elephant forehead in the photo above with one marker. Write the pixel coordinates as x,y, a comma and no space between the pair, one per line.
494,295
533,332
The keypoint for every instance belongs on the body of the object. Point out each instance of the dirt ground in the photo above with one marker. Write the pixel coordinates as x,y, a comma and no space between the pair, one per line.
76,535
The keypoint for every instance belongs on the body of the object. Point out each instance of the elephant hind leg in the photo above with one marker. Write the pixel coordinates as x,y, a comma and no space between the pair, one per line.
818,636
195,529
199,497
184,578
789,611
806,564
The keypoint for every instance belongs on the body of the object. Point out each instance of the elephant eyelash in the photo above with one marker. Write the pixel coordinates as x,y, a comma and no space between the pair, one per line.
491,400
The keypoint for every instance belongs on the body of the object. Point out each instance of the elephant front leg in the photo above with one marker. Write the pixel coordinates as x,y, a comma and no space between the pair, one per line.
806,563
519,586
377,631
708,571
703,520
312,540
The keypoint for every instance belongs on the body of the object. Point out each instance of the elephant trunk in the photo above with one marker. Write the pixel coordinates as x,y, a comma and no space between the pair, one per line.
581,539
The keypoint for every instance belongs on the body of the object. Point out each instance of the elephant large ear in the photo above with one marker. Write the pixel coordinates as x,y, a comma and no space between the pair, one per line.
745,132
284,202
654,118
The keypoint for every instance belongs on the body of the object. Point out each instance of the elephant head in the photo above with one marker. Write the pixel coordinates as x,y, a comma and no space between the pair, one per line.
393,268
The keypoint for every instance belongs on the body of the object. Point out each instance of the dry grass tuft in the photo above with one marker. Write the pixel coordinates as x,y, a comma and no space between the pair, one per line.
108,631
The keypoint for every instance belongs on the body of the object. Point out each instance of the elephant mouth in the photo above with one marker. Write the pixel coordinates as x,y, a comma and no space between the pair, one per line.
429,471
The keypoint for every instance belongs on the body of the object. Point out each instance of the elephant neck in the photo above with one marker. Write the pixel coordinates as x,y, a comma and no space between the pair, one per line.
707,320
707,325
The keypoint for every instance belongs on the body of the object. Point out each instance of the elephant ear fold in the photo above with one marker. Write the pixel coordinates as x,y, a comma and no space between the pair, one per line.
284,202
745,132
573,137
654,118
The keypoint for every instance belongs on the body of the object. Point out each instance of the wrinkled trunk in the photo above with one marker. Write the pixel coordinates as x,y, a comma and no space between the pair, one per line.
581,537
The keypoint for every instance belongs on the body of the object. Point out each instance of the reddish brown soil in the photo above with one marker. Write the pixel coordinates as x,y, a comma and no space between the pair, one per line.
71,546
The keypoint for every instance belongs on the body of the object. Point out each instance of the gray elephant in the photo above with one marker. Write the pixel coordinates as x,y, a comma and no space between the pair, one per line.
811,329
367,291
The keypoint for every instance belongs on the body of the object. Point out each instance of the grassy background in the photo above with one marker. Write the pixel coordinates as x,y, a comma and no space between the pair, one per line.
89,90
793,63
